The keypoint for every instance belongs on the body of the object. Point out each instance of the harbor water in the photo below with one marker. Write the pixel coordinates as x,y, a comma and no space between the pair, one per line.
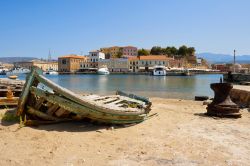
183,87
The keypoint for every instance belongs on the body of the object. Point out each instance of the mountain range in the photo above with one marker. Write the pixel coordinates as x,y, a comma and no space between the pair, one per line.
210,57
224,58
16,59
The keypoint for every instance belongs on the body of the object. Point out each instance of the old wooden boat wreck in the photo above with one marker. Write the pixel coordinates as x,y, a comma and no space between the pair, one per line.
43,101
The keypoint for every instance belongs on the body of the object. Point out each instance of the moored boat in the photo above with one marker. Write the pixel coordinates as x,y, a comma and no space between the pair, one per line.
44,100
159,71
103,71
51,72
18,70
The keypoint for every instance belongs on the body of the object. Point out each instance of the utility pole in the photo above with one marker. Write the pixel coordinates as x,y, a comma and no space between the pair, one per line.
234,61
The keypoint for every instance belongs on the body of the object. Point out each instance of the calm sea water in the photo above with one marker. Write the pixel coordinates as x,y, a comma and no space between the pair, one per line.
146,85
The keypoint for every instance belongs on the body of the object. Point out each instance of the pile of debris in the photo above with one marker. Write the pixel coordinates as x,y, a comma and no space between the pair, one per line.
10,91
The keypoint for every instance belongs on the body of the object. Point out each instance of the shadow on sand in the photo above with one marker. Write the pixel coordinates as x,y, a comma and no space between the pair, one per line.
9,118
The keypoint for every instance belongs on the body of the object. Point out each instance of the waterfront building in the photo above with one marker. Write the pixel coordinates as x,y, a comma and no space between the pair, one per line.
94,57
125,51
44,65
114,64
147,63
70,63
128,51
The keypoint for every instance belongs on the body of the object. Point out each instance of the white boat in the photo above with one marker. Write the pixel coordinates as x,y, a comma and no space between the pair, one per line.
159,71
18,70
51,72
103,71
3,70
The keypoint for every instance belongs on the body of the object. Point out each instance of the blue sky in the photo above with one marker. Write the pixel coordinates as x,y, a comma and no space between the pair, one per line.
32,27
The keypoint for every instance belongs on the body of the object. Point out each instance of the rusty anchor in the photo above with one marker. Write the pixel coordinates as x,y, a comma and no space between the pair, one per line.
222,104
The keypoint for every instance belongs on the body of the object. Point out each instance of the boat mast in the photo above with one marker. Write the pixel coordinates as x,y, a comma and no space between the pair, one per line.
234,61
49,56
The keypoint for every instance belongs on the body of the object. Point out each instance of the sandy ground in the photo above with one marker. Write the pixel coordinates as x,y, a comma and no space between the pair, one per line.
242,87
179,135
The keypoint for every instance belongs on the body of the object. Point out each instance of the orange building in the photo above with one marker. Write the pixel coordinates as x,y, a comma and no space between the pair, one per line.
70,63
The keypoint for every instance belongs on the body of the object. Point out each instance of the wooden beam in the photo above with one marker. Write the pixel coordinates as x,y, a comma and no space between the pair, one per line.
40,114
24,95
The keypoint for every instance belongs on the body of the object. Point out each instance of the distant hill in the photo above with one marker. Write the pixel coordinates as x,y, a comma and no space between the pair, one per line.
224,58
15,59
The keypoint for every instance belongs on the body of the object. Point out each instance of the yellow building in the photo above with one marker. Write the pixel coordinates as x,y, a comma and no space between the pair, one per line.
70,63
146,63
44,65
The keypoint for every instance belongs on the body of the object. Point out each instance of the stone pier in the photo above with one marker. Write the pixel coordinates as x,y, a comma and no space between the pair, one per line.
241,95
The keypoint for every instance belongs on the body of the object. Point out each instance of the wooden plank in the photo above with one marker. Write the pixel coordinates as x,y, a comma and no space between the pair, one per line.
40,114
133,96
24,95
39,103
60,112
8,102
52,109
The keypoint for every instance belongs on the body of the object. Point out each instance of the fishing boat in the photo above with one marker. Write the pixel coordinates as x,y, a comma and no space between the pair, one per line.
103,71
18,70
159,71
43,101
51,72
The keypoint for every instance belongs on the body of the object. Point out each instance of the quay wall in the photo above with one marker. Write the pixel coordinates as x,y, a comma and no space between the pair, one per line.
237,77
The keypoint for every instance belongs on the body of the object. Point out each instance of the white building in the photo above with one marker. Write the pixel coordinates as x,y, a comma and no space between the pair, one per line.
96,55
92,60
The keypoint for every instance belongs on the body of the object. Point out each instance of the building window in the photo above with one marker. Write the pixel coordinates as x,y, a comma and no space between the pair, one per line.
64,61
130,67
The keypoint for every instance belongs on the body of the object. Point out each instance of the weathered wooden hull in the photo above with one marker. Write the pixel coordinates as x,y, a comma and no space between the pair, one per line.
43,100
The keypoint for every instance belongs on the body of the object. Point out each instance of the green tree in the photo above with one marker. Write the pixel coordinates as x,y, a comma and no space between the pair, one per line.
170,51
143,52
166,51
118,55
182,51
173,51
191,51
156,50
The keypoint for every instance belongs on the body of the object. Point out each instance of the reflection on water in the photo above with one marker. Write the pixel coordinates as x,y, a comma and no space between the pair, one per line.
152,86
